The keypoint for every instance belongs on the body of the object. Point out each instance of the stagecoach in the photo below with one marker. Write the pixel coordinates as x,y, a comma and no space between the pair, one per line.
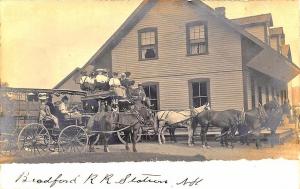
32,135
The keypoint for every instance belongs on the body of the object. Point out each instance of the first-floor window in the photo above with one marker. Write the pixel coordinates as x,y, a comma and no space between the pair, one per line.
151,91
199,93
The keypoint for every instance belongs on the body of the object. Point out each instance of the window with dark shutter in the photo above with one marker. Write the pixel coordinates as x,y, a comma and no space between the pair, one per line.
148,44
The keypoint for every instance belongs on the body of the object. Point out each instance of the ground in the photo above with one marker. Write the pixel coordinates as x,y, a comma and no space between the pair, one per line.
172,152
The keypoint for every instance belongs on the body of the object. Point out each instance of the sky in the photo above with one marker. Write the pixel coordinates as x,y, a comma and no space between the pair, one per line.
43,41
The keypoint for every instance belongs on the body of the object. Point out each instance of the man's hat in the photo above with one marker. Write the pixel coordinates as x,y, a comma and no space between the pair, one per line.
123,75
128,74
100,70
65,98
43,96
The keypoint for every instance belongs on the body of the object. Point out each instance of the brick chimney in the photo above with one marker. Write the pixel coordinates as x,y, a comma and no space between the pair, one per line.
220,11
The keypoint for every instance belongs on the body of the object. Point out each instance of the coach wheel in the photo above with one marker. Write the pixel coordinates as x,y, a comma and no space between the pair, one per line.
73,139
34,138
121,136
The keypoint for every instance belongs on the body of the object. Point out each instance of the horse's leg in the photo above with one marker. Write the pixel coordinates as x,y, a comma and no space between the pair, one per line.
204,137
90,143
127,139
159,135
163,135
134,136
272,137
202,132
222,137
232,134
160,128
257,142
105,143
173,134
190,135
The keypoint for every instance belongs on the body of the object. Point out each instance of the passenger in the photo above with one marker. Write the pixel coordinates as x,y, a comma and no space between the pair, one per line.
83,81
91,81
131,82
115,85
102,79
51,105
142,95
73,114
124,81
45,112
114,81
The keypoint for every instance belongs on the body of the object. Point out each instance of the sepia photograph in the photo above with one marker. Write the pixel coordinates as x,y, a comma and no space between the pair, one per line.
106,81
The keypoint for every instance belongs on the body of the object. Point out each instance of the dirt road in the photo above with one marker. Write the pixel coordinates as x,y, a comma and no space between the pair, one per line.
173,152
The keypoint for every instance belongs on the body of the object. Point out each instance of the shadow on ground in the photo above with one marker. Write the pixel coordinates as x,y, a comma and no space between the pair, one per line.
106,157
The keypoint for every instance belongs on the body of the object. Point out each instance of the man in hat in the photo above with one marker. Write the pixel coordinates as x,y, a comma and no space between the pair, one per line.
142,95
114,81
84,81
102,79
69,114
45,112
91,81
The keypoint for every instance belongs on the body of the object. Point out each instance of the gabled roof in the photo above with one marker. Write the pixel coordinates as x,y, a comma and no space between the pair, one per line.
262,18
146,5
76,70
129,23
276,31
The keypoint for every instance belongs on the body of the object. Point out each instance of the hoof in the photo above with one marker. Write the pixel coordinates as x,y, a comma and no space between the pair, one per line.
190,145
134,150
127,148
106,150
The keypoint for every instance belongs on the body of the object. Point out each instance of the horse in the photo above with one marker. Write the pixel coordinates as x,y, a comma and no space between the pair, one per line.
227,120
268,116
172,119
106,123
254,121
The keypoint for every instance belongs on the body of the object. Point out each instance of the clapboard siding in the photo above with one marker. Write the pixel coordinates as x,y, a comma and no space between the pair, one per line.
258,31
173,69
274,43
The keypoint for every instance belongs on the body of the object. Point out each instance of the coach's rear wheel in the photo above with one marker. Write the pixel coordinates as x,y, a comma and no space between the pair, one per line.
34,138
73,139
121,136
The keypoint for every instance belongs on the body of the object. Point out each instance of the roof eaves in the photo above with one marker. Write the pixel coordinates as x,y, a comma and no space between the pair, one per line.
66,78
247,34
113,40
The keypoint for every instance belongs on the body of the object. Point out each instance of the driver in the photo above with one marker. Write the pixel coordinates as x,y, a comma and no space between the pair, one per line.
73,114
45,112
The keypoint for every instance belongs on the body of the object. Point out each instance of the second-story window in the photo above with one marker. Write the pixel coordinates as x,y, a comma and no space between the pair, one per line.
197,38
148,44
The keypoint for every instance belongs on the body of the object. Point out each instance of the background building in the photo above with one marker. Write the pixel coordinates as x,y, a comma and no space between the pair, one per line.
186,54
